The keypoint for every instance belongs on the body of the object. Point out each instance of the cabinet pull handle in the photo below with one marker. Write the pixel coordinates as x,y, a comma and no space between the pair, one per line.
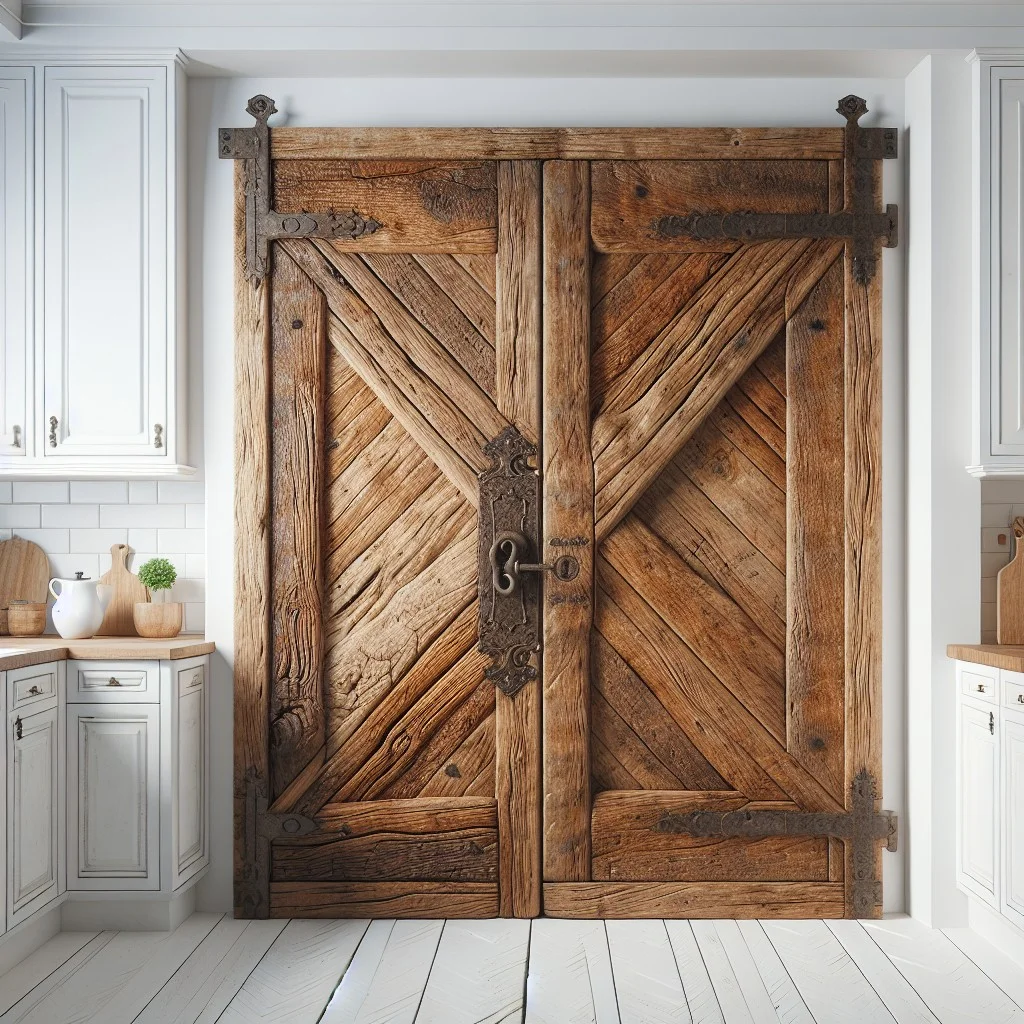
16,431
158,436
197,679
981,687
34,690
17,728
1020,698
113,681
53,431
992,722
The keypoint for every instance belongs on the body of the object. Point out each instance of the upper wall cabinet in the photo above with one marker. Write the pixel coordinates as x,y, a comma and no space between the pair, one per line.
998,447
106,377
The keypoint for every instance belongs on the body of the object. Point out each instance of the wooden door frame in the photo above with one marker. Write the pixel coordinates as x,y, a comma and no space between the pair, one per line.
254,827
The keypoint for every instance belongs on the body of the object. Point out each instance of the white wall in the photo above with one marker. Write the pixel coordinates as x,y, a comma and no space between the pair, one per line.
215,103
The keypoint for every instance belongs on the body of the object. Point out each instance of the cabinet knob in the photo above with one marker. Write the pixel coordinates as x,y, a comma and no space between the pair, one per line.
34,690
16,440
17,728
981,687
158,436
1020,698
113,681
53,431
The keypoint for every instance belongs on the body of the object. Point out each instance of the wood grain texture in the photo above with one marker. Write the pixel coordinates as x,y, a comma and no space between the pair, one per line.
693,899
630,197
297,410
414,839
24,575
252,569
863,501
815,587
420,206
629,846
126,590
555,143
1010,657
568,521
383,899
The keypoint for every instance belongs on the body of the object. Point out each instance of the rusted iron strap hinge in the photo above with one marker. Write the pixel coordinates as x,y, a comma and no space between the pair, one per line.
859,222
262,223
259,828
862,826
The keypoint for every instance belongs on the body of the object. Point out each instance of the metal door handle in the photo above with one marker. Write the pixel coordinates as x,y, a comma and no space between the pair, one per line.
1020,698
17,728
33,689
53,431
992,722
113,681
981,687
506,567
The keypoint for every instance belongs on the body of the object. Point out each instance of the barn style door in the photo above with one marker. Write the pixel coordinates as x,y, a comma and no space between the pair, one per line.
558,521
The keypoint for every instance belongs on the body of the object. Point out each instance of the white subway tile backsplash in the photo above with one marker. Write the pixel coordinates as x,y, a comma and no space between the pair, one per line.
84,516
990,536
142,515
142,491
40,490
99,491
51,541
18,516
77,522
183,541
97,540
182,490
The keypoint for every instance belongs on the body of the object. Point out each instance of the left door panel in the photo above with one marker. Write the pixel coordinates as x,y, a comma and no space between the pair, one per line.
400,780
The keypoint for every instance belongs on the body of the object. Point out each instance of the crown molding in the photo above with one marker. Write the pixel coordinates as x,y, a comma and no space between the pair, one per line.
25,53
10,19
993,55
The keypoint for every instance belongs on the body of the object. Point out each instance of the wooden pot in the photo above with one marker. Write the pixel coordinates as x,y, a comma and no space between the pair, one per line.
26,618
158,621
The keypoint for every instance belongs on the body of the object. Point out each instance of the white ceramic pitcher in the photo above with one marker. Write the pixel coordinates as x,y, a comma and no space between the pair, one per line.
81,605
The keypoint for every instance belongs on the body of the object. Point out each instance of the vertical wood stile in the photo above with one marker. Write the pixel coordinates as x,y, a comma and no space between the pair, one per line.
517,360
297,341
252,572
864,527
815,557
568,520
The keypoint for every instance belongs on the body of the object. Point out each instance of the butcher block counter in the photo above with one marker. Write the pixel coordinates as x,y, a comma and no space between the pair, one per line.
19,652
1005,656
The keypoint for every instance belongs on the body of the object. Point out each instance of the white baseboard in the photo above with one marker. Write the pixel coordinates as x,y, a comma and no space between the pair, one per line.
121,914
28,936
994,928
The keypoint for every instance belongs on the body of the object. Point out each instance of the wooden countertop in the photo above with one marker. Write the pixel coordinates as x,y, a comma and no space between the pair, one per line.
1007,656
19,652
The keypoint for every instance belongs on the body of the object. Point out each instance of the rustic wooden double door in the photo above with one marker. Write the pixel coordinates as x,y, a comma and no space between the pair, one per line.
680,414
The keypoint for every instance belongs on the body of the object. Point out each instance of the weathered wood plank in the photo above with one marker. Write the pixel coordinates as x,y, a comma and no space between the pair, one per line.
568,520
478,975
693,899
570,979
439,840
631,699
298,352
476,303
630,198
420,206
252,571
383,899
555,143
468,767
65,948
815,590
630,843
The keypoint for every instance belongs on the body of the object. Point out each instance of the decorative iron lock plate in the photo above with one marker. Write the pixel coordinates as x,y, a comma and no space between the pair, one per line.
859,222
508,534
861,826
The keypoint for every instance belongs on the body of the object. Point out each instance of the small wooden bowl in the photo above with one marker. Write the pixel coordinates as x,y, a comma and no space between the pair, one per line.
26,618
157,621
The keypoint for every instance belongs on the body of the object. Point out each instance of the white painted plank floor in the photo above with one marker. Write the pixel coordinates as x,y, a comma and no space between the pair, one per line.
215,969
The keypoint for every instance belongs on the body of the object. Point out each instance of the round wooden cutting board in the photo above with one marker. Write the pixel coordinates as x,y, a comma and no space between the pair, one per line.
24,575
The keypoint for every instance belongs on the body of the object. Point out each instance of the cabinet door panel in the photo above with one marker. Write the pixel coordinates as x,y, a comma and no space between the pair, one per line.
105,361
32,813
190,773
114,797
978,785
1013,821
16,259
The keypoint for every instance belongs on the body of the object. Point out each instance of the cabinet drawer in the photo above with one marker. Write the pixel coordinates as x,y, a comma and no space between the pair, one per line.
114,681
979,681
37,683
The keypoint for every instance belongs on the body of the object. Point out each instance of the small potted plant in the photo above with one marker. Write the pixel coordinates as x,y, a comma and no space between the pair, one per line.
158,618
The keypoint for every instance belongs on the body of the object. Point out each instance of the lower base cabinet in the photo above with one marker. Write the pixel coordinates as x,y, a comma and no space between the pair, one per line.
104,771
978,791
1012,765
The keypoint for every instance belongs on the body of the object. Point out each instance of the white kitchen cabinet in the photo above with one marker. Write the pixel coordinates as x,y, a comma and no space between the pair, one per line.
114,796
977,794
1012,808
16,261
103,380
33,770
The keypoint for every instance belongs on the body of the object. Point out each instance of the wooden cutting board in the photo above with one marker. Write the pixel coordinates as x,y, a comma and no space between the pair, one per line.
128,588
24,575
1010,593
